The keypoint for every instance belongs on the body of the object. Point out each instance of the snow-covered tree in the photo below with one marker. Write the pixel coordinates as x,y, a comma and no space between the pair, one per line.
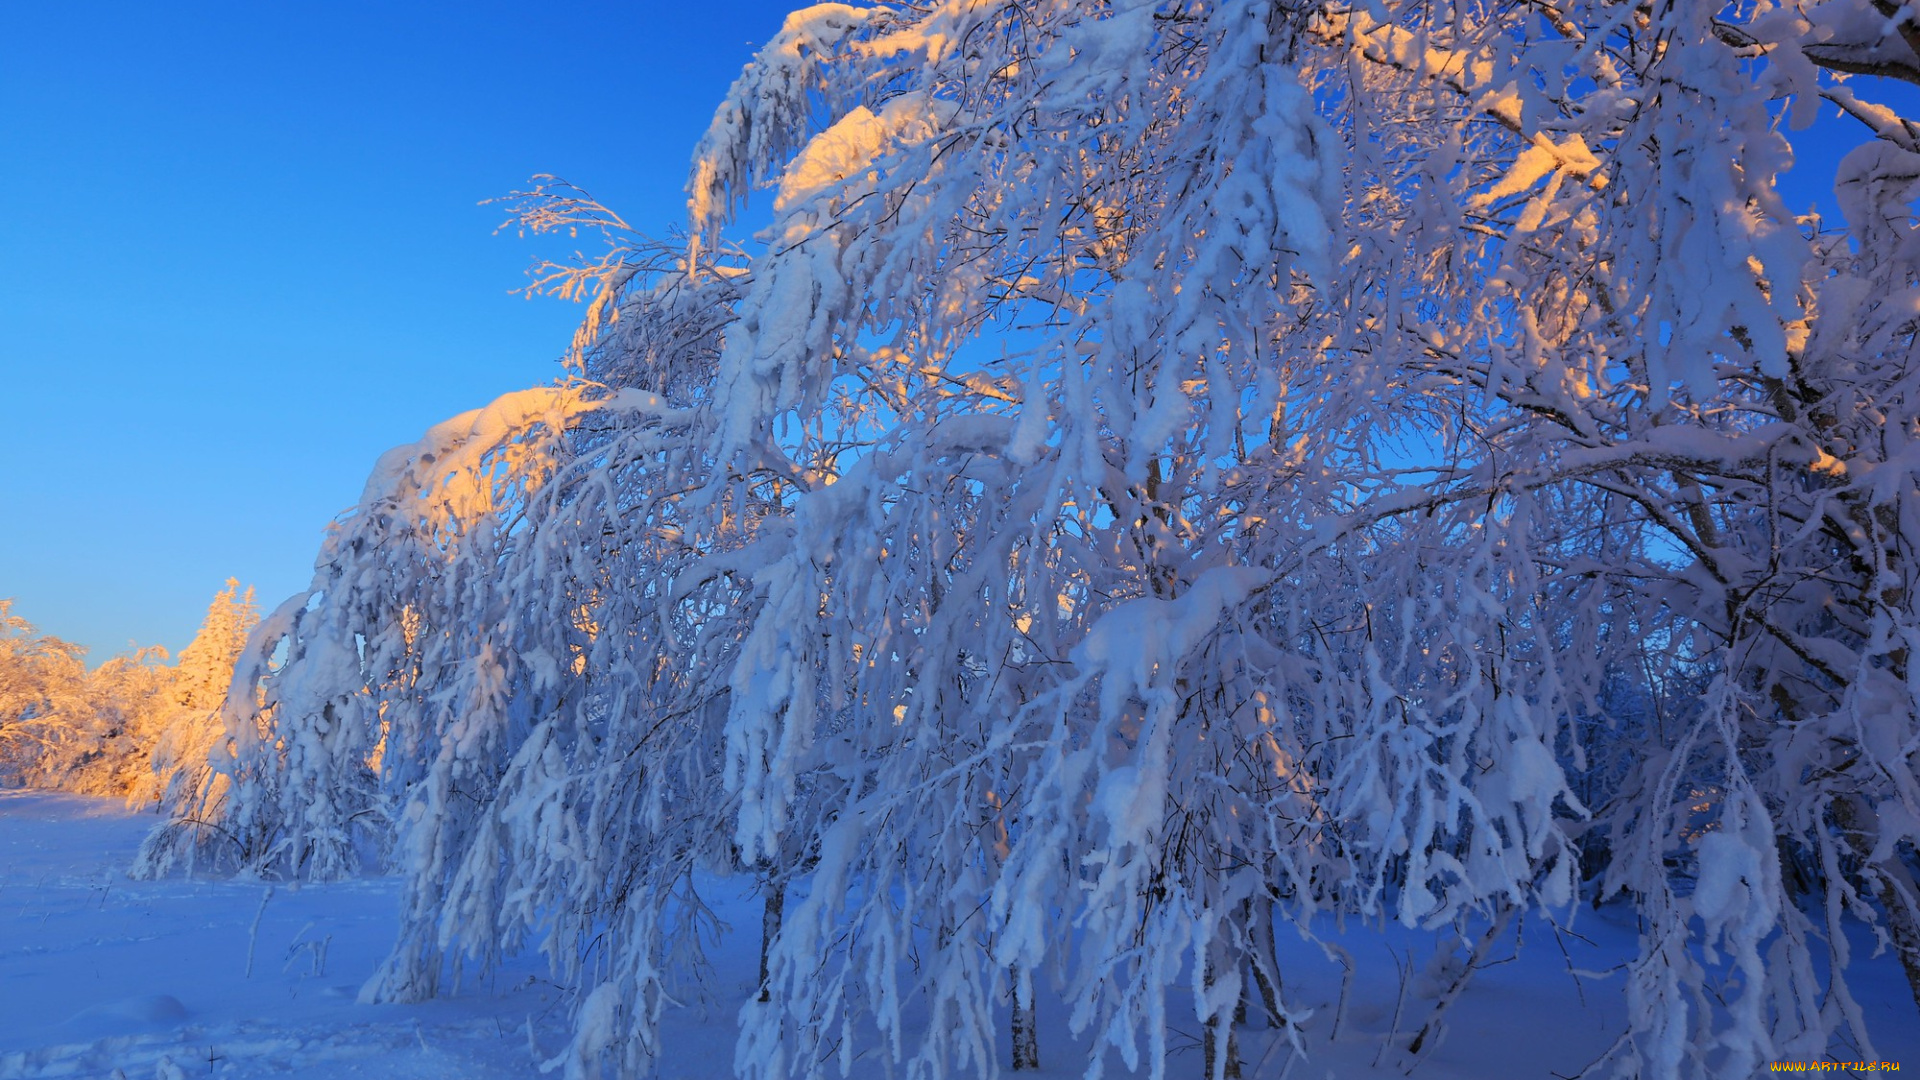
180,732
204,670
42,723
128,700
1169,466
65,727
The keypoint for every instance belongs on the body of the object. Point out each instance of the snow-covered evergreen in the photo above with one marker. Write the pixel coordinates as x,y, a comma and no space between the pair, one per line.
1167,468
181,732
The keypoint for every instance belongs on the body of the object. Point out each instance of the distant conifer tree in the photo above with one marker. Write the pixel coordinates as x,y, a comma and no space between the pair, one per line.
185,727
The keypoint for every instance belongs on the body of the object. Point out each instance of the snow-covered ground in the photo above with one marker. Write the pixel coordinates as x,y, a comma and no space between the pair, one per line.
99,973
101,976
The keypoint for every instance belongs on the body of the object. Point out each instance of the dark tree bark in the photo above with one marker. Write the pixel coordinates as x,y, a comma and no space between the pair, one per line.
776,905
1264,958
1893,885
1219,1038
1231,1068
1026,1031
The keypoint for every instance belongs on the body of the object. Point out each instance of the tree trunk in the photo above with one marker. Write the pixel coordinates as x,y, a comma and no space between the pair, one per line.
1893,885
1475,961
1264,958
770,916
1230,1069
1219,1029
1026,1033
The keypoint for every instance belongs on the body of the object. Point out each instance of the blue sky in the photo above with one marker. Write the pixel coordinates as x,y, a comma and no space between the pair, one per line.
243,256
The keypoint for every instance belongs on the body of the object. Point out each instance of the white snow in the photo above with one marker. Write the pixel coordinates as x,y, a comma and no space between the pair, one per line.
105,977
102,976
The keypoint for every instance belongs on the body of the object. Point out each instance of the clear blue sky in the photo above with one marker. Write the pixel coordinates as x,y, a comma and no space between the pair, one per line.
240,256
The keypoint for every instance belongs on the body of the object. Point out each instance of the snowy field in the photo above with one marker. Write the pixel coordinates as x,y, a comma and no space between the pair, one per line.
103,977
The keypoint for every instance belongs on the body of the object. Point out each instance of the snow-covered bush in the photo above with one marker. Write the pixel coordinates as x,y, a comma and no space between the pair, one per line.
1167,467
